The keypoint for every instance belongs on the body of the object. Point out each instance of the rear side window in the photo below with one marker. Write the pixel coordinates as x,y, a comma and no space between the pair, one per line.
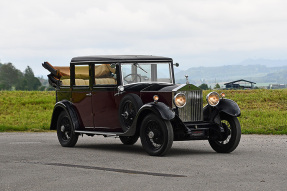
82,75
105,74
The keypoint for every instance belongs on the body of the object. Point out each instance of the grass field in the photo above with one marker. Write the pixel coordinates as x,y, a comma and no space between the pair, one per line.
263,111
26,110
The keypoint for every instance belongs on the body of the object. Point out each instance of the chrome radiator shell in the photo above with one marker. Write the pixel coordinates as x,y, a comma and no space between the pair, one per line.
193,110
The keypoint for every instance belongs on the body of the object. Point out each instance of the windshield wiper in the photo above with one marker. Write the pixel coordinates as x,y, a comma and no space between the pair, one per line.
138,66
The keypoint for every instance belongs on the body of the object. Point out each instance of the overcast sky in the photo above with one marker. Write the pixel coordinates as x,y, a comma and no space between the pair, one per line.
192,32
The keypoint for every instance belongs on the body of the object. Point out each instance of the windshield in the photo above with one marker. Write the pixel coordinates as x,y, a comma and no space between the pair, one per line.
146,73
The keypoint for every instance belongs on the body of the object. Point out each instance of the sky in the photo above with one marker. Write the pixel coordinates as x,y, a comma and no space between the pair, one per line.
192,32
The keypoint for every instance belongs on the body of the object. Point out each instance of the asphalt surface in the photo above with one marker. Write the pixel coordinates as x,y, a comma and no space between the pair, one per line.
36,161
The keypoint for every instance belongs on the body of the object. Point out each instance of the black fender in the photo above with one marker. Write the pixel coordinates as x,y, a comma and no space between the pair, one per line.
68,107
160,109
226,106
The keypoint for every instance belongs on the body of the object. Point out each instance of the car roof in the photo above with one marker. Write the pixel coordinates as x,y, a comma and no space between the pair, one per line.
119,58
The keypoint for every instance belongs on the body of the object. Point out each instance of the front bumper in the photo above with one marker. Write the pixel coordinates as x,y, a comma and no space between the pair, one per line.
199,130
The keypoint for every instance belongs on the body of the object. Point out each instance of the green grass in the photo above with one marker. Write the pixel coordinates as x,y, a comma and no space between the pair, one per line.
263,111
26,110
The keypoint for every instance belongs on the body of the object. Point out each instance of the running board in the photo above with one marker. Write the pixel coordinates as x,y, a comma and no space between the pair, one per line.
100,133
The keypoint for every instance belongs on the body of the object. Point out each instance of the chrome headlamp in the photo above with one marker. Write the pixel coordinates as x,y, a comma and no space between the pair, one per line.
179,100
212,98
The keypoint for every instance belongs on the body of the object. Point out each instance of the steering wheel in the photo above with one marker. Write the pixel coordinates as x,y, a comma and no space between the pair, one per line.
133,79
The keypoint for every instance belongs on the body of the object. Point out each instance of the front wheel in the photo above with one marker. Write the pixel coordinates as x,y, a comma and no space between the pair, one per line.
230,135
65,131
156,135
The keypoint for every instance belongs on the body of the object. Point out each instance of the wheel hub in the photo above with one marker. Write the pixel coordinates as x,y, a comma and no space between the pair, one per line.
63,128
125,115
151,135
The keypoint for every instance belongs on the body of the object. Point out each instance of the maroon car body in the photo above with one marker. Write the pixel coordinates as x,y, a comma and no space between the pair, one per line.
132,96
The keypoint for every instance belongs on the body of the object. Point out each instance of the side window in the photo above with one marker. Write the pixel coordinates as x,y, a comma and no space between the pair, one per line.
105,74
82,75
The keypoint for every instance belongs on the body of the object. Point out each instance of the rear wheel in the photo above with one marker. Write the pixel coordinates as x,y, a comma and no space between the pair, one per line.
129,140
65,131
156,135
230,135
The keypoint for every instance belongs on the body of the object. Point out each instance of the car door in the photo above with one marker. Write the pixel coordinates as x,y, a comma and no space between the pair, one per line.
81,94
105,108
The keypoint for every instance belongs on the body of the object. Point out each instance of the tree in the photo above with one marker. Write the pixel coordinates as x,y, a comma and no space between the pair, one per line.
9,76
30,81
217,86
203,86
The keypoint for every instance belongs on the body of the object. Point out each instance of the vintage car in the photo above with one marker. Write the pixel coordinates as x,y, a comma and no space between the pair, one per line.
132,96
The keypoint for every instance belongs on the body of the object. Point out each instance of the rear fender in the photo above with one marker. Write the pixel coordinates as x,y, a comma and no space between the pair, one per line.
70,109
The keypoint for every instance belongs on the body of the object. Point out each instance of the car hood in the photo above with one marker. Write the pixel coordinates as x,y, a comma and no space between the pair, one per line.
144,87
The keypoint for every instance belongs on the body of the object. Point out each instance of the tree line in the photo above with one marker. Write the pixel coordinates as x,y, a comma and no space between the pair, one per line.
13,79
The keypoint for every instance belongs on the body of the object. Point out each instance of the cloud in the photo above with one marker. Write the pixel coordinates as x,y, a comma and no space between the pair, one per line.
34,31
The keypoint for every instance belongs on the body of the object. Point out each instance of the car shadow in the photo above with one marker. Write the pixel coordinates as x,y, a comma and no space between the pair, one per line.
137,149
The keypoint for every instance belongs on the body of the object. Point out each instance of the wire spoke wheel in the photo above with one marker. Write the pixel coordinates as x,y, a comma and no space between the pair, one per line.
129,106
129,140
128,113
229,137
65,131
227,132
156,135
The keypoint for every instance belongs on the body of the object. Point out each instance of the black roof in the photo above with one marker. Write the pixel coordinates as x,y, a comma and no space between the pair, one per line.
119,58
240,81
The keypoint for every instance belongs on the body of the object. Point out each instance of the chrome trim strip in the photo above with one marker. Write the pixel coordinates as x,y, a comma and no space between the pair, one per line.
99,133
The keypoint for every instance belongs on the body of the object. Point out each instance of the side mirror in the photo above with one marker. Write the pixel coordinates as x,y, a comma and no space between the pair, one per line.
120,90
176,64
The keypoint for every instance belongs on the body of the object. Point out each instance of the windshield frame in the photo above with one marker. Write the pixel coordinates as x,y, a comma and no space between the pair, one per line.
139,65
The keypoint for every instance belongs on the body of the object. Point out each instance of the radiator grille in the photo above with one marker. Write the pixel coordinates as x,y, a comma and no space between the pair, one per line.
192,111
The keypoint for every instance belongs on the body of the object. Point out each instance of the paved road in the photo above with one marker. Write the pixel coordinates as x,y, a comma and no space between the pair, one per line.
36,161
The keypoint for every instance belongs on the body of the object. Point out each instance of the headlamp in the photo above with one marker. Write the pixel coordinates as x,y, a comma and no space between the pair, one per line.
179,100
212,98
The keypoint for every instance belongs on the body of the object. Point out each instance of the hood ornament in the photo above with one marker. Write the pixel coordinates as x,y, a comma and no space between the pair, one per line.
186,76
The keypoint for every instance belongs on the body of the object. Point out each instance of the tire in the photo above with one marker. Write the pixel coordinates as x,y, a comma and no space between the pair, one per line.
129,140
231,140
65,131
156,135
128,109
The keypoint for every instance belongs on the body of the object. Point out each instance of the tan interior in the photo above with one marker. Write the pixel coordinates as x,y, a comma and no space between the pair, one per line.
102,81
102,75
98,81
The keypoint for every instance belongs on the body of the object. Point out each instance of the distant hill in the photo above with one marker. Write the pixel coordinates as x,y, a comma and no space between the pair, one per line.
274,78
265,62
256,73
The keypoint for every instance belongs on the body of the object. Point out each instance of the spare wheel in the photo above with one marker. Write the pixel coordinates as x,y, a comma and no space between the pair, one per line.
129,106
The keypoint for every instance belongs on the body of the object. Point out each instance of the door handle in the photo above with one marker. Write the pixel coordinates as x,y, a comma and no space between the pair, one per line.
89,94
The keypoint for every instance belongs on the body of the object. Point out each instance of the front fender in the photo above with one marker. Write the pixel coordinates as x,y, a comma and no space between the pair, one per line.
159,109
227,106
69,108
